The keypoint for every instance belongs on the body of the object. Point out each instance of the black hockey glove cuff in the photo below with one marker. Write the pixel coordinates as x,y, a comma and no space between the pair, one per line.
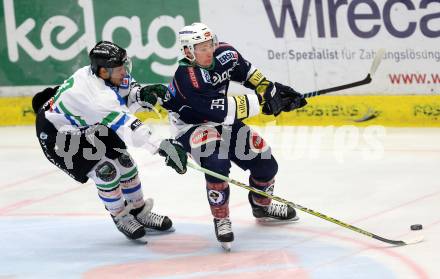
175,155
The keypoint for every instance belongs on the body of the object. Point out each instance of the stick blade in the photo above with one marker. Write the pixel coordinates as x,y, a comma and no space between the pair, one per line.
376,62
415,240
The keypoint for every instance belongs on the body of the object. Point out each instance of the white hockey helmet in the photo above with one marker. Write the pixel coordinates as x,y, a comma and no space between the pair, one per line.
193,34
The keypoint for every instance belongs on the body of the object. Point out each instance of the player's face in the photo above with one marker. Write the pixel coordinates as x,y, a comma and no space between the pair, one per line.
204,53
118,75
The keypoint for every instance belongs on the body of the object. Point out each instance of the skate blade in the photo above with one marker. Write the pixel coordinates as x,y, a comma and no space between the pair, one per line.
226,246
272,221
150,231
141,241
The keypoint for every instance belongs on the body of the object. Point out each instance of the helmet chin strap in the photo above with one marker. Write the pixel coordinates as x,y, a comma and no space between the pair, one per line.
193,59
110,71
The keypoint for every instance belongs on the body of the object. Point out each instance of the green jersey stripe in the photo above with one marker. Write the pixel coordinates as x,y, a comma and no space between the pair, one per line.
66,111
109,118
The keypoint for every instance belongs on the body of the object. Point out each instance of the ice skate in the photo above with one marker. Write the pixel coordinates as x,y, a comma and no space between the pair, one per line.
223,232
274,213
153,223
128,225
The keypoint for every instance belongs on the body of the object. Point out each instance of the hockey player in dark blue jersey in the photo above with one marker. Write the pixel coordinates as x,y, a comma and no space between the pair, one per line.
209,124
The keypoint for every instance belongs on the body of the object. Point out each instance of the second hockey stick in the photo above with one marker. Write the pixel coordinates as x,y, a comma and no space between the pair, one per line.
307,210
376,62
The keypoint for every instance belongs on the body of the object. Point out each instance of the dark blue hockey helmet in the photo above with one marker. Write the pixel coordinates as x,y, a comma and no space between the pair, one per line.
108,55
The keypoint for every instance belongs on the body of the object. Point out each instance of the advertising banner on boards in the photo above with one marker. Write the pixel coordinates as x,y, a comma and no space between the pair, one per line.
43,42
308,44
313,44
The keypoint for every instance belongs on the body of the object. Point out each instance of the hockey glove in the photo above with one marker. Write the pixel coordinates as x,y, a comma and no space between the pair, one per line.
42,97
274,98
292,99
175,155
260,84
285,99
270,98
148,96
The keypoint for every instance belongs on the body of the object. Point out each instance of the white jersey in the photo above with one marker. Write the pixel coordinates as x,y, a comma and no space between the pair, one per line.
85,100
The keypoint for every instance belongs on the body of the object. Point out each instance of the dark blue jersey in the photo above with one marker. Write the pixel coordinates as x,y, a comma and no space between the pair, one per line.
199,95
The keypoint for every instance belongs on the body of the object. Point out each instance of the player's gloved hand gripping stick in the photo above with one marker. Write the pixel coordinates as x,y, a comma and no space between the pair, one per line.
276,98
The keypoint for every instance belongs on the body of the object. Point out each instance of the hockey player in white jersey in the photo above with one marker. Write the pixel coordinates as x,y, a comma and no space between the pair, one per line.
84,128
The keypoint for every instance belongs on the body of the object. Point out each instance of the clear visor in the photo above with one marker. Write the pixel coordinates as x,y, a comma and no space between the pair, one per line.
205,47
128,65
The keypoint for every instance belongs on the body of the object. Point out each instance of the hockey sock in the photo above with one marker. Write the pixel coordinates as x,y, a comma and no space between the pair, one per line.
107,178
218,198
262,186
132,191
130,181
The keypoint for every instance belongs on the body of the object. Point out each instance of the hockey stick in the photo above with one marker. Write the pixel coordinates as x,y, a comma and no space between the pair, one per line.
376,62
302,208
